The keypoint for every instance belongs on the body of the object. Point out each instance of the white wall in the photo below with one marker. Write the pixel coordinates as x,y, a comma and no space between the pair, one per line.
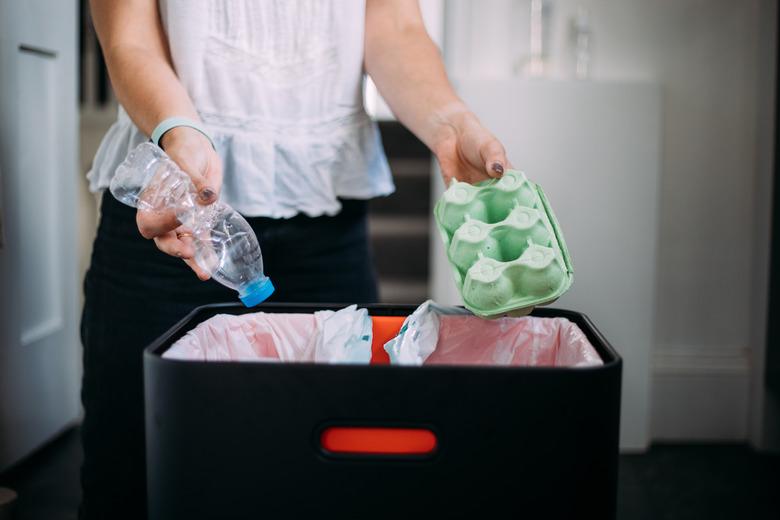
601,172
706,57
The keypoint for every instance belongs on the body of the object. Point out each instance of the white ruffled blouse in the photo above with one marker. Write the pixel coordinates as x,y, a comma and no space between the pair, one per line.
278,85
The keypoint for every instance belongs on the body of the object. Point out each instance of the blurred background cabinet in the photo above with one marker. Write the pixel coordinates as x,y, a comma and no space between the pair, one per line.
39,348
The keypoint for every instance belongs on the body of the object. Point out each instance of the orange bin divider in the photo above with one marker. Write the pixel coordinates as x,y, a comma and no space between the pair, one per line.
385,328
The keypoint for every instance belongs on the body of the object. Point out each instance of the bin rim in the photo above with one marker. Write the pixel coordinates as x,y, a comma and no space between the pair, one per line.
153,352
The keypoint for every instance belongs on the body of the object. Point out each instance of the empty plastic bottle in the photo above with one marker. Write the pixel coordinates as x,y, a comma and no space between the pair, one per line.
225,245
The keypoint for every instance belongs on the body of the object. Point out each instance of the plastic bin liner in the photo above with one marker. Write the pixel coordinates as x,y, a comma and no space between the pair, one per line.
440,335
343,336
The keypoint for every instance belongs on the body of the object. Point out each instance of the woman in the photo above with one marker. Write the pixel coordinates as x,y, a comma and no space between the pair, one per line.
260,103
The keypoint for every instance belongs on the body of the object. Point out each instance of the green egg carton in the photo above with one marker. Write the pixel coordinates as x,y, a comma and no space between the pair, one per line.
505,246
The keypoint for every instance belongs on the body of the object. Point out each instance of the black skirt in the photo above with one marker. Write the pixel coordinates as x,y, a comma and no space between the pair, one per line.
134,293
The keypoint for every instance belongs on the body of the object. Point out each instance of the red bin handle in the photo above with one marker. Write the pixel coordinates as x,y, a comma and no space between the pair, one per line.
367,440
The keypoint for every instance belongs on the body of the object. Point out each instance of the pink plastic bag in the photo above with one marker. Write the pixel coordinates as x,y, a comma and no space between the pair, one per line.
437,335
343,336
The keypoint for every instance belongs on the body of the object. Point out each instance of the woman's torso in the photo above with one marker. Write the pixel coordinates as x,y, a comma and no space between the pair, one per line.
278,84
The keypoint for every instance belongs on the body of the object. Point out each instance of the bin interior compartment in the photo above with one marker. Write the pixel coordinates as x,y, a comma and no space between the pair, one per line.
305,440
385,329
433,335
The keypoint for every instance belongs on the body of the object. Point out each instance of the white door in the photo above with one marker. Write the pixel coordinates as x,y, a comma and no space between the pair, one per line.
39,346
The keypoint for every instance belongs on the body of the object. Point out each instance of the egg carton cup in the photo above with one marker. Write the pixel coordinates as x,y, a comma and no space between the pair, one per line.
504,244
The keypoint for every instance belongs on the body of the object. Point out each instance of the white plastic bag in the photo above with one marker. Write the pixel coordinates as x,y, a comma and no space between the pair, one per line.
436,334
343,336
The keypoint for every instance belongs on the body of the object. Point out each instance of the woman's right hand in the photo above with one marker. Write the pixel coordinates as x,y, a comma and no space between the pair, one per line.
195,155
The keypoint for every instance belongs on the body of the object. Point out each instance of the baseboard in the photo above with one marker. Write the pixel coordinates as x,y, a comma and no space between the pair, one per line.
700,394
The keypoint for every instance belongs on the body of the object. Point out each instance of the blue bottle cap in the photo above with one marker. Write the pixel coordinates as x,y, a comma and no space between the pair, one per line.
257,292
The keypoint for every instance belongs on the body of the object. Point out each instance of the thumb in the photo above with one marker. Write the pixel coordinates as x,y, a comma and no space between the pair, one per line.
210,183
195,155
205,172
494,157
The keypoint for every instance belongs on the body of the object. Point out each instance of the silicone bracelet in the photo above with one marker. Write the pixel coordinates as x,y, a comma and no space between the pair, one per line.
173,122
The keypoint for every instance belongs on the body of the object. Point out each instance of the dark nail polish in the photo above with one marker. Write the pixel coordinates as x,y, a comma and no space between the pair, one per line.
498,168
206,195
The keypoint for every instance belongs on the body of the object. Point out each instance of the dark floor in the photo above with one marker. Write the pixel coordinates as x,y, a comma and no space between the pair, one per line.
699,482
669,482
48,482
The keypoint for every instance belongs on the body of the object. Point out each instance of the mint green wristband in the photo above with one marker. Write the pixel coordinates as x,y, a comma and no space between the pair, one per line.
173,122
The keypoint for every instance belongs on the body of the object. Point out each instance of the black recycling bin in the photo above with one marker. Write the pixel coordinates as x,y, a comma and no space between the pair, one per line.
233,440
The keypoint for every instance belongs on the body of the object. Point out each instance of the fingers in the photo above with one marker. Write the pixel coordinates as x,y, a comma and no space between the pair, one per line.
206,178
200,273
447,164
493,157
152,223
453,167
464,173
170,244
471,156
180,245
184,236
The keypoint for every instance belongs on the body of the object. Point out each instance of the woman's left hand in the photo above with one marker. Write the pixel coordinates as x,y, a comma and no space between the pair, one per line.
466,150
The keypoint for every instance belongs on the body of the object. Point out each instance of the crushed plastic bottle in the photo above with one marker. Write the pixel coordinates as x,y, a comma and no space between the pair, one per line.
225,245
